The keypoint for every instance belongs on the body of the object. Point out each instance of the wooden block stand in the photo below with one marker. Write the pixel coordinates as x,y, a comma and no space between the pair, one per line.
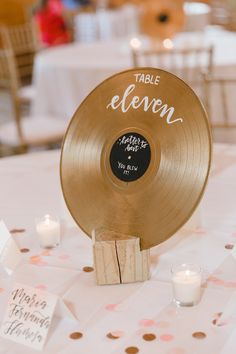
118,259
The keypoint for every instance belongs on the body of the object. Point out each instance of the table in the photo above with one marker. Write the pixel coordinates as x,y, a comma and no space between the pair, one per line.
30,187
65,75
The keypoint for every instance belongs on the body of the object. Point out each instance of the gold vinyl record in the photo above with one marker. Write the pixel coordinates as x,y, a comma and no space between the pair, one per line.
136,156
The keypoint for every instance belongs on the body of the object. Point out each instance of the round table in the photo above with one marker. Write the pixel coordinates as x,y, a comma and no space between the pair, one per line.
65,75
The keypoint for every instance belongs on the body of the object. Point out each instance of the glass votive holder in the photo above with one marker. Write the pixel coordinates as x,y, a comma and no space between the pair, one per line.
186,282
49,230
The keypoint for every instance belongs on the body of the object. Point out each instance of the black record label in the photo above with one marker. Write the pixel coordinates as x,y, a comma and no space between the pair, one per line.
130,157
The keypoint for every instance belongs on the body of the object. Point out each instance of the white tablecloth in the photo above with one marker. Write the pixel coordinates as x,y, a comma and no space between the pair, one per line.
30,187
65,75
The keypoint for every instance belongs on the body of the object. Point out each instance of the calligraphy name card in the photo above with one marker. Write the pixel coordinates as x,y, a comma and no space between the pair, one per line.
28,316
10,256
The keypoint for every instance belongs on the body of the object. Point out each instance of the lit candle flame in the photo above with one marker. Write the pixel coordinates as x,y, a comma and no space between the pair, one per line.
168,44
135,43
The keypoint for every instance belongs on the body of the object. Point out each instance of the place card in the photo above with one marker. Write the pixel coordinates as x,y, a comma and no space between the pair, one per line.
29,314
10,256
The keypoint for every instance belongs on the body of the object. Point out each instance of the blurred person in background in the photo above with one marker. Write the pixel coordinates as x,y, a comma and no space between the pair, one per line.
51,24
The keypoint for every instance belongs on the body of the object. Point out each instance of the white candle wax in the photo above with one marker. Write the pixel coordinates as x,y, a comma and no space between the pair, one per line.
48,231
187,286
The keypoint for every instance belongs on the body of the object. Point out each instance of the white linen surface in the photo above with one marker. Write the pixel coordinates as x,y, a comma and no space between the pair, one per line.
30,187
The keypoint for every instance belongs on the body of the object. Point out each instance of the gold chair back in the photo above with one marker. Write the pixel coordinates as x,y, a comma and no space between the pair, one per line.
186,63
9,82
23,41
225,87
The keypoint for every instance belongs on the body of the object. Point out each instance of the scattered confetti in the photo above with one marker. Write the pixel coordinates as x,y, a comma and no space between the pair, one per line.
146,322
111,307
76,335
166,337
131,350
200,231
46,253
88,269
115,334
17,231
37,260
229,246
199,335
149,336
41,287
24,250
216,280
218,314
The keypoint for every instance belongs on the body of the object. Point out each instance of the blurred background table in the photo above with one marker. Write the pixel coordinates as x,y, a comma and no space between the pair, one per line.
128,311
64,76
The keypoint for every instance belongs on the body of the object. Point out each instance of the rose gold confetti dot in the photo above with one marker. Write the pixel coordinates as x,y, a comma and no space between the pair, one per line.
24,250
200,231
166,337
110,336
46,253
146,322
212,278
17,231
149,336
176,351
162,324
41,287
229,246
218,314
111,307
76,335
216,281
154,258
115,334
88,269
35,258
199,335
131,350
1,290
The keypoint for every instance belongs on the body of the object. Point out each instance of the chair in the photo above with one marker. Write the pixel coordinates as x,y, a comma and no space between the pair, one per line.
23,133
186,63
220,96
22,39
26,93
